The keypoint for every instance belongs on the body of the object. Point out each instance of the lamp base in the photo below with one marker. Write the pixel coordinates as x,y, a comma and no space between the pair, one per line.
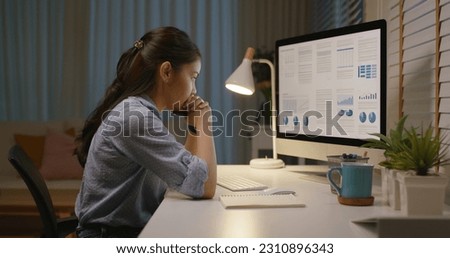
266,163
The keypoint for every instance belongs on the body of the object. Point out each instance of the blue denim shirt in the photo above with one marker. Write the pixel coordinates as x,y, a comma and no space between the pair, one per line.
132,160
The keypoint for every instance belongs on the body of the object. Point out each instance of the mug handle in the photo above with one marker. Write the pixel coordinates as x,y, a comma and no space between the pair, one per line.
330,179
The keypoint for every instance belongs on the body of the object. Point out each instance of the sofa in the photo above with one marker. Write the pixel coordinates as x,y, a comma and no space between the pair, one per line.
12,131
54,142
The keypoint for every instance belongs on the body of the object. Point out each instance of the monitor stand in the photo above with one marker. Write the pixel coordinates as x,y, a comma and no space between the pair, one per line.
266,163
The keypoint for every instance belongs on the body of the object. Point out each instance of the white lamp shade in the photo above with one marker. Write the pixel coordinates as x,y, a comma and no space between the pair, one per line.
241,80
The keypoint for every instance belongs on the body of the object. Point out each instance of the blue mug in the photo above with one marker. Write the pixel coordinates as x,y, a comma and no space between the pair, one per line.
356,179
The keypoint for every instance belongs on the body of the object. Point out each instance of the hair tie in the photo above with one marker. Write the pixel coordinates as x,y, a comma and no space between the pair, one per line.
139,44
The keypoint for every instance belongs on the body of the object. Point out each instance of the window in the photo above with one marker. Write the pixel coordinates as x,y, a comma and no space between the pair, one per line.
419,61
330,14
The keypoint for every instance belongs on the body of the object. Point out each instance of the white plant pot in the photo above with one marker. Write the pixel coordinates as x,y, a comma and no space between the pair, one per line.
393,188
422,195
384,186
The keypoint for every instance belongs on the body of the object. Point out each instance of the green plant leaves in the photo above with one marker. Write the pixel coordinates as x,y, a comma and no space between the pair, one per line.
408,149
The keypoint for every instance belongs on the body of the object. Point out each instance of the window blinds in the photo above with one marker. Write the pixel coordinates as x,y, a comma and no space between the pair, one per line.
329,14
419,61
444,68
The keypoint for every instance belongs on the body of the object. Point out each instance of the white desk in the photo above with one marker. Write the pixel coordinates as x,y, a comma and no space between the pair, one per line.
323,216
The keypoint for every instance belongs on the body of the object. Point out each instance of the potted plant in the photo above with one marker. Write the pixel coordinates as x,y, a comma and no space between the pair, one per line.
422,187
412,159
391,144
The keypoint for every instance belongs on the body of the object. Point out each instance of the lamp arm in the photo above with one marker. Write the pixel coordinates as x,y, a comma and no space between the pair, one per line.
273,104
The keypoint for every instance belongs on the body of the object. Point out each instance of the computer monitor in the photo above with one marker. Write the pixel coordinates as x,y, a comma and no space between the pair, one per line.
331,91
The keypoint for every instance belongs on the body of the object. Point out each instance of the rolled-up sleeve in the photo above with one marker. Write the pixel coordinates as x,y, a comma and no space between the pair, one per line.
196,176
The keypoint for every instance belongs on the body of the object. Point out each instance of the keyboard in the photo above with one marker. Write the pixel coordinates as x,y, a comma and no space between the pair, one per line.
238,183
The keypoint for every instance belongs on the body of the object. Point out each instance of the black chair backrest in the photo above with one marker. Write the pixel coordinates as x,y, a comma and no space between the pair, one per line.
36,185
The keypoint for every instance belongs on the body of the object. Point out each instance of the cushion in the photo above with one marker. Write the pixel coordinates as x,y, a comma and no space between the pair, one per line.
71,132
58,161
33,145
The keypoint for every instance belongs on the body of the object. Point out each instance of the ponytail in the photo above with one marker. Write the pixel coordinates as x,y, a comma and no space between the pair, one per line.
114,94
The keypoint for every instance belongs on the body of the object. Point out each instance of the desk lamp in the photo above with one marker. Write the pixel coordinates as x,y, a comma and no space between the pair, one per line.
241,81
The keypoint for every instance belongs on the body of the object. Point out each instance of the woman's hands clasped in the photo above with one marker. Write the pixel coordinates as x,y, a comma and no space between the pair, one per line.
198,112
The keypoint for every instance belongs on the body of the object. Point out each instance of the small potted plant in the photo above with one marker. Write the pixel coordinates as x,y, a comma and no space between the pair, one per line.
422,187
391,144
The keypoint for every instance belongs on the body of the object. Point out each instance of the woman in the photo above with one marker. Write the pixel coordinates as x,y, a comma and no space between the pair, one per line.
129,157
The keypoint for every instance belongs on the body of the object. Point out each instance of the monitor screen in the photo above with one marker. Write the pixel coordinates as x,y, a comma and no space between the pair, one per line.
331,85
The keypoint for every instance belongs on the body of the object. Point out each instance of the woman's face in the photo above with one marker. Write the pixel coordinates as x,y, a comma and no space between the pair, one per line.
182,84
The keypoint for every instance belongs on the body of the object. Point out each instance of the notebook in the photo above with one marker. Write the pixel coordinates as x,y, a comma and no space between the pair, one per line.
260,201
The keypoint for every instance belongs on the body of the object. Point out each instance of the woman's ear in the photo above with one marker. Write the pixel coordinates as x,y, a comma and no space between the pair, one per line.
165,71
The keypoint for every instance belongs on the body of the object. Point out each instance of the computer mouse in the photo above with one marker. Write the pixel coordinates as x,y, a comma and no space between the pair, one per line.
278,191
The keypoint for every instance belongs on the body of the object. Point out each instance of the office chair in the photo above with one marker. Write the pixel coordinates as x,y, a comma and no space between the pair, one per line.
53,226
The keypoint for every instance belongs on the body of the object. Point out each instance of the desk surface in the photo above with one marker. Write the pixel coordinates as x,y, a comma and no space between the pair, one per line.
323,216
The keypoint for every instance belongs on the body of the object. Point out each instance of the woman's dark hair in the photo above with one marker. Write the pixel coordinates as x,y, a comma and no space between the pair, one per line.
136,74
